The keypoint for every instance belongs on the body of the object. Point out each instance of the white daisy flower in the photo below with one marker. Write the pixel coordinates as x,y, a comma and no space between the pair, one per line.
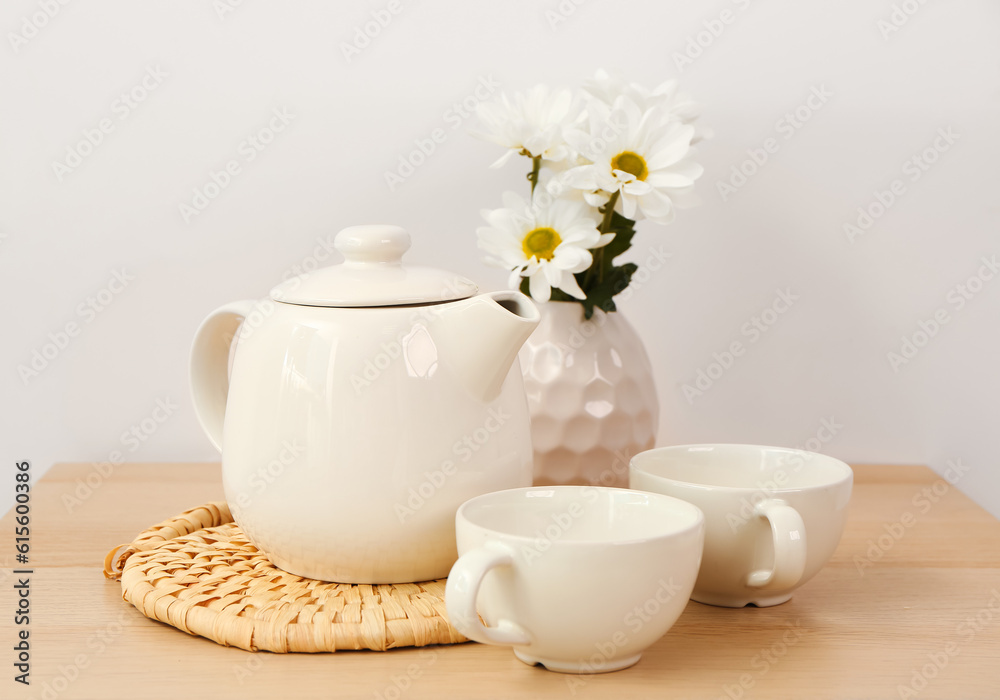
645,159
556,185
531,123
547,243
665,96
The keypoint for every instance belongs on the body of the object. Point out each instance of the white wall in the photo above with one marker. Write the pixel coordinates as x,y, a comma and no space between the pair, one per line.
221,77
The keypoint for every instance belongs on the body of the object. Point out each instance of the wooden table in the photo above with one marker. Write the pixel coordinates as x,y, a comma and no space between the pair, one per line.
908,607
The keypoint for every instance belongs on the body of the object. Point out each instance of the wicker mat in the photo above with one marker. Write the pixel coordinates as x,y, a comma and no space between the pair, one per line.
199,573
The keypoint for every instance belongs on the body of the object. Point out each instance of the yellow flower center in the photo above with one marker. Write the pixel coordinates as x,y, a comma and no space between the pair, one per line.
541,243
631,163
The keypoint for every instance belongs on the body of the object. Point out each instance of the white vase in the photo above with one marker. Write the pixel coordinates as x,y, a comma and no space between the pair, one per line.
591,394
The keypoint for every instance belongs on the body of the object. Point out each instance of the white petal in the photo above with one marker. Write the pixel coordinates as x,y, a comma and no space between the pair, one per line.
569,285
670,149
538,287
623,176
490,248
581,236
583,177
657,207
636,188
572,258
552,274
655,204
503,159
496,237
514,202
702,133
664,89
582,142
662,220
686,166
665,178
556,154
495,262
559,105
630,109
628,205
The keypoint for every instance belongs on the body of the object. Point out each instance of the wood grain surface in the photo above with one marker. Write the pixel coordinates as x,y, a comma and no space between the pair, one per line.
908,607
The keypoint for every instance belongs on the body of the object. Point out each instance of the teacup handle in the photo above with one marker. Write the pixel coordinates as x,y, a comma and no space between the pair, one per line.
463,588
789,535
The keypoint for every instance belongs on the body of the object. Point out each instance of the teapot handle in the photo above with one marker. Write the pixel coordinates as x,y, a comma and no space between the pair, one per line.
210,365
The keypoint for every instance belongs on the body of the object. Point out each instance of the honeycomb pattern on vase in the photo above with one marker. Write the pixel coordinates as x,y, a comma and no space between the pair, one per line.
591,395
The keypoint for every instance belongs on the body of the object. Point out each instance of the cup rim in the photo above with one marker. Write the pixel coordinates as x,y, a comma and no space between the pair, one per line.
696,524
847,474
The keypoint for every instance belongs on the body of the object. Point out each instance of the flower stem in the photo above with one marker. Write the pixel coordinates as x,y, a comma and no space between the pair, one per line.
536,166
609,212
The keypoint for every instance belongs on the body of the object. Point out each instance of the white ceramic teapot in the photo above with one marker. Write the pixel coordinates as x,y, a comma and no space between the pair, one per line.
365,402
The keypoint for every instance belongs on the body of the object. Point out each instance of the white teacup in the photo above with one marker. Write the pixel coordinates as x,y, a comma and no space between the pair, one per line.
773,516
579,579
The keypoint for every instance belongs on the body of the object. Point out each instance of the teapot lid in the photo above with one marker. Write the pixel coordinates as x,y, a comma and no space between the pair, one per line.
373,274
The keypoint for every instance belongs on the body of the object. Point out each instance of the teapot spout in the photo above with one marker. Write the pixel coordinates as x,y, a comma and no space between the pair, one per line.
482,336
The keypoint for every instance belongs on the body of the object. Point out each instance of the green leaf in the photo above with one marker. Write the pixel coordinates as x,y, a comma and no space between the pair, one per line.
623,229
601,295
605,279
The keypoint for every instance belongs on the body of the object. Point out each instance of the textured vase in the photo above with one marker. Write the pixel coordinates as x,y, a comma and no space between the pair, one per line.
591,395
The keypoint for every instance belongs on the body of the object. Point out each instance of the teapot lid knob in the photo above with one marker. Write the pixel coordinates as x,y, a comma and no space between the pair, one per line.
378,243
373,274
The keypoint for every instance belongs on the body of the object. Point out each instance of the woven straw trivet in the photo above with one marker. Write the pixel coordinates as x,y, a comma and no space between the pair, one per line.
199,573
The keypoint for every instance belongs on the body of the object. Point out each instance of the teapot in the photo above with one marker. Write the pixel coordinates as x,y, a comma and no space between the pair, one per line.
359,405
